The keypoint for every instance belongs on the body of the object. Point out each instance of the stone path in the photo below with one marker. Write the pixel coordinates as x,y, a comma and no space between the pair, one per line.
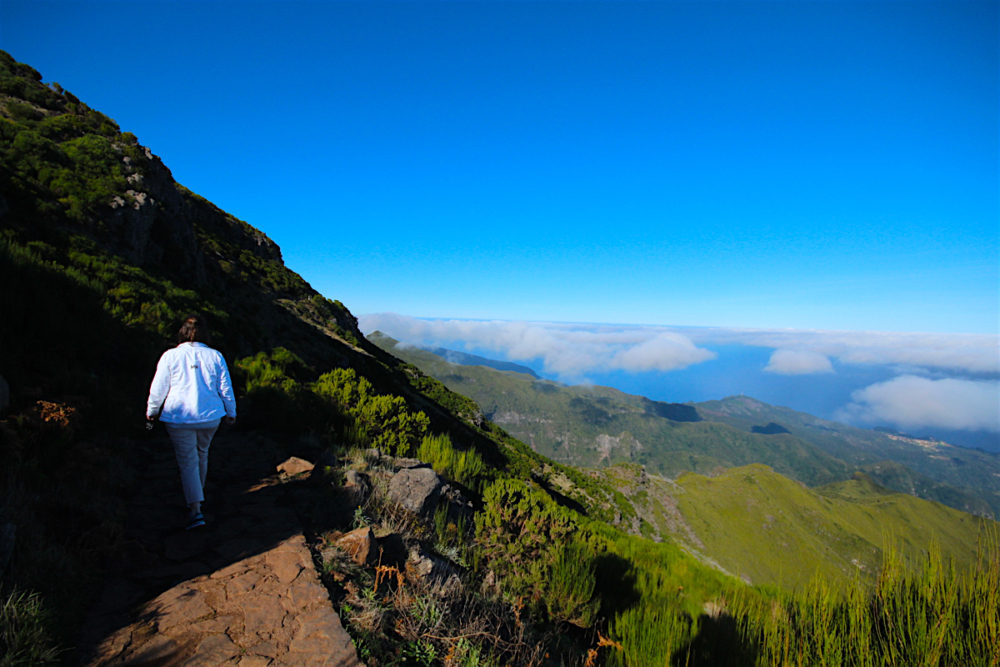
241,591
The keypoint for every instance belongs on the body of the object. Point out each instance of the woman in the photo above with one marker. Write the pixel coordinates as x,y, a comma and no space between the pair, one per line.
191,394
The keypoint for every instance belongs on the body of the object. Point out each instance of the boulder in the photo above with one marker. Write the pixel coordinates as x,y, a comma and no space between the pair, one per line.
360,545
295,466
416,489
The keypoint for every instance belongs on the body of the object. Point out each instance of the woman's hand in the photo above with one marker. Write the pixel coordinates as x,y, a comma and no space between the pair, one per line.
229,420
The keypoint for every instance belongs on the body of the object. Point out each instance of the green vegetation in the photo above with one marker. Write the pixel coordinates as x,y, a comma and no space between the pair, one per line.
24,639
929,616
465,467
538,552
381,421
768,529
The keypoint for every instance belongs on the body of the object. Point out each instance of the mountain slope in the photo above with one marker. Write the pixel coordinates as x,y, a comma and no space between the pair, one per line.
837,531
967,479
102,252
590,426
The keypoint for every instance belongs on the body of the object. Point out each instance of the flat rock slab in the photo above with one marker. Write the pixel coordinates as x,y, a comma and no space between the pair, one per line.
249,595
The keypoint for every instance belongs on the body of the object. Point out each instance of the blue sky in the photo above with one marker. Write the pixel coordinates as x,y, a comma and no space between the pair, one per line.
810,165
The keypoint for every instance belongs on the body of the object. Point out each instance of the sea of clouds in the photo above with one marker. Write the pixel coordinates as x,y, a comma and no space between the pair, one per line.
946,381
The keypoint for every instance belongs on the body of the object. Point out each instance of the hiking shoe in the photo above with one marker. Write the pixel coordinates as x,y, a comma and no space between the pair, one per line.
197,521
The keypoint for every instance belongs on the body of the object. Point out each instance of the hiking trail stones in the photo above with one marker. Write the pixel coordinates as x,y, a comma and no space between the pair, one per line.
295,466
242,591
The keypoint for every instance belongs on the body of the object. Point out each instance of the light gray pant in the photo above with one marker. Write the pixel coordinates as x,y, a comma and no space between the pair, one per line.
191,445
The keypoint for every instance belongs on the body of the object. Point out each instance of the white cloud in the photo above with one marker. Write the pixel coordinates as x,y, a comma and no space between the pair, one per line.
569,351
568,348
664,352
798,362
967,353
911,402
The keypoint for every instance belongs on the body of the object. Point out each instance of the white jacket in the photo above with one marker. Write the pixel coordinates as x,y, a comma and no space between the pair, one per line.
192,386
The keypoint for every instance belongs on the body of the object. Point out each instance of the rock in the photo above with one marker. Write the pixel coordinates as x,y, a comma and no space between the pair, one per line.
214,650
184,546
433,571
357,487
286,565
416,489
360,544
180,606
490,587
295,466
403,464
158,651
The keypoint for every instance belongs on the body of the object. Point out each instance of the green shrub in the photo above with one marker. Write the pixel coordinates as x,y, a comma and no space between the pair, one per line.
381,421
24,635
569,591
926,616
652,632
539,553
463,466
277,396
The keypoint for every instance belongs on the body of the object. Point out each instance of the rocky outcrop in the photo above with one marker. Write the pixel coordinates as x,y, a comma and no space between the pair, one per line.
270,609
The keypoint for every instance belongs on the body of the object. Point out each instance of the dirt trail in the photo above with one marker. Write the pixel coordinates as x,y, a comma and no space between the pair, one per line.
242,591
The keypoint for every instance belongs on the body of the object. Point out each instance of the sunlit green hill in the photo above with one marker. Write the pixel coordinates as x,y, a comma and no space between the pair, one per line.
967,479
766,528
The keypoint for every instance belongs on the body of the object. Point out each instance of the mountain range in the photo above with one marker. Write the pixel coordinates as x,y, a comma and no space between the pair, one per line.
590,425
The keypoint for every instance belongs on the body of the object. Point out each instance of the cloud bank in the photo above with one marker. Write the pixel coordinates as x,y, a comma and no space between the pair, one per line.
914,402
568,351
946,381
968,353
577,348
798,362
